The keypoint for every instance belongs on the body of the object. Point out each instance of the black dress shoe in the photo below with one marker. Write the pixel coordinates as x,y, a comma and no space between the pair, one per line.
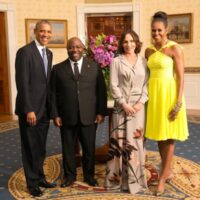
67,183
35,191
46,184
91,182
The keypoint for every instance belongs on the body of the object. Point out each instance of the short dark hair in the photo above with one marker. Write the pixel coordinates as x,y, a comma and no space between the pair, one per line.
161,17
43,21
135,38
74,38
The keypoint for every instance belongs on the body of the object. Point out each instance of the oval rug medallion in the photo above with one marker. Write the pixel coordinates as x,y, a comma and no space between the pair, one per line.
185,184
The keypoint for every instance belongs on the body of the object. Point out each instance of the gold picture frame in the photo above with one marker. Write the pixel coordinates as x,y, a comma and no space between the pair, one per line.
180,27
59,32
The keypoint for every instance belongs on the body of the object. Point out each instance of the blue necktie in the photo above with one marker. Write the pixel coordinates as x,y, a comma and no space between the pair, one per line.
45,60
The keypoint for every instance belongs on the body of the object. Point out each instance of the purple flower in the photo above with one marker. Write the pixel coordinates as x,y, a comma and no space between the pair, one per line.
103,49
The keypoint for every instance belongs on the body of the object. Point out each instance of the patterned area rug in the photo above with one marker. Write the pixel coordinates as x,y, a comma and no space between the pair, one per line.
7,126
185,185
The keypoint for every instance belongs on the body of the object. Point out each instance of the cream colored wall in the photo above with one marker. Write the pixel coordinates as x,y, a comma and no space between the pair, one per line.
107,1
48,9
191,50
149,7
66,9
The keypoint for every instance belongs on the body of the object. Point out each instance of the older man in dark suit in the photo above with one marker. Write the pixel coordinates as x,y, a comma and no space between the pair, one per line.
33,67
79,99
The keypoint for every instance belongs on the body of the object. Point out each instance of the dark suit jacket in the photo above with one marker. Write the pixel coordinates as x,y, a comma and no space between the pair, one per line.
33,89
87,96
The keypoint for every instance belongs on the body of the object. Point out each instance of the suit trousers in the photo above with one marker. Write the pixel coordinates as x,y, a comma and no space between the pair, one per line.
33,148
86,135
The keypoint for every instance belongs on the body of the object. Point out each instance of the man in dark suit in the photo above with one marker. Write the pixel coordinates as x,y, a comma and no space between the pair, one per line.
33,67
79,99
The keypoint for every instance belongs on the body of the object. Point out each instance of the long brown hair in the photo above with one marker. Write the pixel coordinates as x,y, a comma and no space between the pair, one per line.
135,38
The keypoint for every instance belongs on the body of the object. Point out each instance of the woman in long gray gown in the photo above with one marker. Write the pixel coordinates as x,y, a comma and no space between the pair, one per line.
128,83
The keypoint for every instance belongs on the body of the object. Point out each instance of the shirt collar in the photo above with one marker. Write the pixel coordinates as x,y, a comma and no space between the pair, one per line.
80,62
39,46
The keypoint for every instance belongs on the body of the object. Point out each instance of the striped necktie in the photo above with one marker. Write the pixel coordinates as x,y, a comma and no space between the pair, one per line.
45,60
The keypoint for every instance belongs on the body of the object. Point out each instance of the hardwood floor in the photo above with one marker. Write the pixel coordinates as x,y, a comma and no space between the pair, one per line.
193,112
6,118
193,116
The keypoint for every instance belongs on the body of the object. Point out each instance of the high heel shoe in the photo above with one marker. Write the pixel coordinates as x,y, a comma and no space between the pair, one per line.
161,188
159,192
167,180
153,183
170,177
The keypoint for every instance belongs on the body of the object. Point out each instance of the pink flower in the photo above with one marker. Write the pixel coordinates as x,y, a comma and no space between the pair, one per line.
103,49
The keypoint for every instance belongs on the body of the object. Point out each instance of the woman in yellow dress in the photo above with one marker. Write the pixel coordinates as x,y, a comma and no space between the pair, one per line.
166,113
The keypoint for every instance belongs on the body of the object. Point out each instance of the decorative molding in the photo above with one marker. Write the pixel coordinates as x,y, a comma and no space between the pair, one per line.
192,70
192,90
82,10
4,7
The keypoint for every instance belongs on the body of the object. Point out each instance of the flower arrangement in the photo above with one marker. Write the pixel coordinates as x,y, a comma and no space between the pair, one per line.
102,49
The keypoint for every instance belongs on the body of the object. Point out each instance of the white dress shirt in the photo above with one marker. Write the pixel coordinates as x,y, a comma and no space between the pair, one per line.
40,47
80,62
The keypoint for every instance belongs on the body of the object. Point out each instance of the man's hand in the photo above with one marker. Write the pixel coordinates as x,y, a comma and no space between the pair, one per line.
57,122
31,118
99,119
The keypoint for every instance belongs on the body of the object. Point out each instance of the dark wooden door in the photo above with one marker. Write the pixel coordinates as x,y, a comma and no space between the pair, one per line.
4,83
109,25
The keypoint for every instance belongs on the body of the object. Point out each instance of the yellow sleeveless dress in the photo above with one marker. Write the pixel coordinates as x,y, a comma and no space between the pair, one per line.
162,98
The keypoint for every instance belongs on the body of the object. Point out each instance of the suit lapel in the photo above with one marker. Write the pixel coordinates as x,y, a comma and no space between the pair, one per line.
38,56
85,67
126,64
36,52
68,68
